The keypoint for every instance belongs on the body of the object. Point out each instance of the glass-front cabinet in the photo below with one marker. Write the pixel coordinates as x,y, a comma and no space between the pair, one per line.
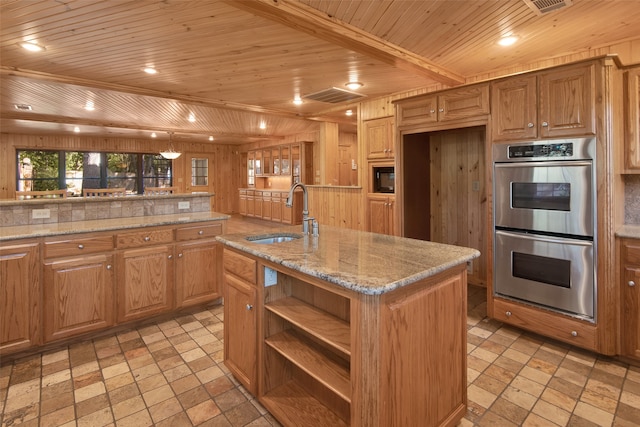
251,173
267,164
295,160
258,162
285,168
275,161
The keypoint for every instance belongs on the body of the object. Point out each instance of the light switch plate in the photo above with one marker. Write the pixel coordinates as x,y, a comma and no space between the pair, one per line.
184,205
40,213
270,277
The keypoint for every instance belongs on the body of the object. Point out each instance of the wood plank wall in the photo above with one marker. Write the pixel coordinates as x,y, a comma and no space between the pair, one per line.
337,206
225,176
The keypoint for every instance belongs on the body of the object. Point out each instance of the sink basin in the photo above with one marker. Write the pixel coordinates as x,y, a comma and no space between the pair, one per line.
273,238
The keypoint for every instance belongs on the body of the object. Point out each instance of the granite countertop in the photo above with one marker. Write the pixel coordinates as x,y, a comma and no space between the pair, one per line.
629,231
54,229
364,262
19,202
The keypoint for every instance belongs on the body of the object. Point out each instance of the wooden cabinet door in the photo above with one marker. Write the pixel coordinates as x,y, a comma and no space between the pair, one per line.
19,296
240,331
78,295
242,210
514,109
145,282
632,137
417,111
630,299
462,103
276,207
378,138
251,203
567,101
198,272
379,209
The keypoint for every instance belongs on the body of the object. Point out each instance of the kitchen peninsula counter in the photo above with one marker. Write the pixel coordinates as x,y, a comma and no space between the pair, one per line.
348,328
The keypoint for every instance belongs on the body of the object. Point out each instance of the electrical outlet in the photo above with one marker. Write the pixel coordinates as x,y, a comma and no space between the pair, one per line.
475,185
40,213
270,277
184,205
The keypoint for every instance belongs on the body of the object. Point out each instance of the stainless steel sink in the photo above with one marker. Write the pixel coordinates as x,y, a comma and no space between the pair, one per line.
273,238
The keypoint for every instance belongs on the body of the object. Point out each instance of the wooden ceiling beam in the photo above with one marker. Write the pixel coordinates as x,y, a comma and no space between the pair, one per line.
306,19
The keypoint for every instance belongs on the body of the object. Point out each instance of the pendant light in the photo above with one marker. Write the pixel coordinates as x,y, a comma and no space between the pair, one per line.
170,154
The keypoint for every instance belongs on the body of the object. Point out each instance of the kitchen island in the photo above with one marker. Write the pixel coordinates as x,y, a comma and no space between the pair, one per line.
348,327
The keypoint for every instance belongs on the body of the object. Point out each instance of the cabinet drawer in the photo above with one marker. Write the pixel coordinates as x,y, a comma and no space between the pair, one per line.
78,246
198,232
543,322
144,238
240,265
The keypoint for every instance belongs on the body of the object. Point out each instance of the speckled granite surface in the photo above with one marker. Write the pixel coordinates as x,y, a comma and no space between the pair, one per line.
632,199
363,262
629,231
43,230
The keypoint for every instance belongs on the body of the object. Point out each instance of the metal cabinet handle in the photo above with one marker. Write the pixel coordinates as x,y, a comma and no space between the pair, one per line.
147,238
529,125
545,124
249,307
179,255
441,110
432,111
170,256
80,246
631,283
508,314
574,333
200,232
108,266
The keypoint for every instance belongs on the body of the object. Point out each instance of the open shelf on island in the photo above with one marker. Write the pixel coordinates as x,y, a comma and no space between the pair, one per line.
294,405
315,363
327,328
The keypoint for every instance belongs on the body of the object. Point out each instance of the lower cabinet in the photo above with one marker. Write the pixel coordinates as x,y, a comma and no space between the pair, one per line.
19,296
630,299
198,272
271,205
240,319
381,212
78,295
145,282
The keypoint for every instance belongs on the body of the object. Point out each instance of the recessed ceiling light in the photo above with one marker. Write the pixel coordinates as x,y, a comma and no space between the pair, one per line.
150,70
192,117
210,138
89,106
354,85
153,135
349,112
32,46
263,125
76,129
507,41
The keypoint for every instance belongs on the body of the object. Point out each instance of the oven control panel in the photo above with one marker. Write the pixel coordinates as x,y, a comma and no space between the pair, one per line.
541,150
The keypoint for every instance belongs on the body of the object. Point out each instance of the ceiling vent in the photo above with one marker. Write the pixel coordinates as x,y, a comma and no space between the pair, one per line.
23,107
333,96
541,7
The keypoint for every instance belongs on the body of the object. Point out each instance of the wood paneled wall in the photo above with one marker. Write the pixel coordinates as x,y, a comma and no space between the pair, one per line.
226,176
337,206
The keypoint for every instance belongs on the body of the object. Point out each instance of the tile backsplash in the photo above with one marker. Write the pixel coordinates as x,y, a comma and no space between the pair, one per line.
22,213
632,199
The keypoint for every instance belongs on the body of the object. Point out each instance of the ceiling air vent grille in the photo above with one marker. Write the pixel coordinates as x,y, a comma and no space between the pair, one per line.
23,107
333,96
540,7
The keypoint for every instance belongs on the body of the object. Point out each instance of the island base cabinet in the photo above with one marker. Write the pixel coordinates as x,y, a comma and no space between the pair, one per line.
78,296
198,273
19,296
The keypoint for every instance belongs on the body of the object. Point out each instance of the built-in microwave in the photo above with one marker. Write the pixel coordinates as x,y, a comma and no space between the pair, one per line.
384,179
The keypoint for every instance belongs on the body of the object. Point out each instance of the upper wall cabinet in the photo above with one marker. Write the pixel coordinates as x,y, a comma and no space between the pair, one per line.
379,138
454,104
550,104
632,137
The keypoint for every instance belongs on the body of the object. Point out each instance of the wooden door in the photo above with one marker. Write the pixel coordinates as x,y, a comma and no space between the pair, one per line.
567,101
198,272
378,138
200,174
632,134
78,295
19,296
145,282
630,299
240,331
514,109
378,210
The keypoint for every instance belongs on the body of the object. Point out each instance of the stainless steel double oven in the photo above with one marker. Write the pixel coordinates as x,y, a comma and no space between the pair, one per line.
545,224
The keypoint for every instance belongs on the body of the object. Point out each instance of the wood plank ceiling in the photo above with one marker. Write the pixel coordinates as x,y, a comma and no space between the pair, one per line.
235,64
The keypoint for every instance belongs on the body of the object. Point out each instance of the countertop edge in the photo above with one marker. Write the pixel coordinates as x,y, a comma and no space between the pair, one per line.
630,231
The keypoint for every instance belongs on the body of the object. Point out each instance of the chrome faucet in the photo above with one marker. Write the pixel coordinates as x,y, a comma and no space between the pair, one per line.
305,208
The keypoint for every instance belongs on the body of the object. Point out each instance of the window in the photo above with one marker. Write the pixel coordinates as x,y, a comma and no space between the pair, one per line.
73,170
199,171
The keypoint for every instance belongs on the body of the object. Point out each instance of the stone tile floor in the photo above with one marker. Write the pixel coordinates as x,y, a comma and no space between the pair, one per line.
170,373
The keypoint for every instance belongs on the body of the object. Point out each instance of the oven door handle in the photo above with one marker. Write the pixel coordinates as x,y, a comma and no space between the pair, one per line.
546,239
551,163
